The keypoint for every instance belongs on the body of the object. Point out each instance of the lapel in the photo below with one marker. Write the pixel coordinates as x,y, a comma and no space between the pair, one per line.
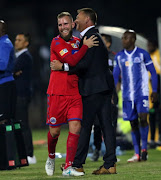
90,31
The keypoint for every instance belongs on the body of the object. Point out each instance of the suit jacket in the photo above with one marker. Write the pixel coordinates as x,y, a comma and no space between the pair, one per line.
93,70
23,81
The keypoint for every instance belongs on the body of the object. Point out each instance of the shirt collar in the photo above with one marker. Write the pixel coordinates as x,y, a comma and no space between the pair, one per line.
4,36
17,54
85,30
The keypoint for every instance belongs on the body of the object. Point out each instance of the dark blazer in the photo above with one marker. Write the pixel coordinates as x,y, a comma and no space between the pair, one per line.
23,81
93,70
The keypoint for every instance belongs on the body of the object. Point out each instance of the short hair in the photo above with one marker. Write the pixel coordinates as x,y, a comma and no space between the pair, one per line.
62,14
91,13
3,27
26,36
108,38
132,32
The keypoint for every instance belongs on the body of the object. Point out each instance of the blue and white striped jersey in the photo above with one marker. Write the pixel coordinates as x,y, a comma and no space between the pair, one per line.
134,74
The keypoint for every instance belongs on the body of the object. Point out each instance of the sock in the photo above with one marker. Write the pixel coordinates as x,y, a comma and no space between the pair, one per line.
72,143
52,145
144,137
136,141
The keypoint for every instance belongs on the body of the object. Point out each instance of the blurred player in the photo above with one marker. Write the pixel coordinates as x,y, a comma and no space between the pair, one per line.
134,63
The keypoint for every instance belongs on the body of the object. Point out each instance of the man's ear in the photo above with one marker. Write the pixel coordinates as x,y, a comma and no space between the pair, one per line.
73,24
87,19
26,43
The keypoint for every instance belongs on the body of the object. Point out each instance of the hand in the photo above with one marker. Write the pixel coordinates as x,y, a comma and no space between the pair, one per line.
18,73
90,42
154,97
56,65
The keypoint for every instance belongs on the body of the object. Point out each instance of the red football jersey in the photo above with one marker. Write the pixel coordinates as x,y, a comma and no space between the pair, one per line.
61,83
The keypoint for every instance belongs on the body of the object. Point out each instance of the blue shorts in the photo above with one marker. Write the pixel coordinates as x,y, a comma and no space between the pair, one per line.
131,109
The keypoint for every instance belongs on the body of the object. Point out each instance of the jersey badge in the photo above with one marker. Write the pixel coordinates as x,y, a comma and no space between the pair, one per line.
137,60
63,51
74,45
52,120
77,42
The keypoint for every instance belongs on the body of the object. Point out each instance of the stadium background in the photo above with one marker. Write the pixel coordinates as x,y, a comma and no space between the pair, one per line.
39,19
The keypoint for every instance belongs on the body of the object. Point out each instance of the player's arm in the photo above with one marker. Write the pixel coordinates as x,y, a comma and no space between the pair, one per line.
116,71
150,67
4,56
154,79
72,59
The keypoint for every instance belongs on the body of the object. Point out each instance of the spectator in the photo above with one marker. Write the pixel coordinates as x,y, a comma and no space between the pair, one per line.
23,75
154,110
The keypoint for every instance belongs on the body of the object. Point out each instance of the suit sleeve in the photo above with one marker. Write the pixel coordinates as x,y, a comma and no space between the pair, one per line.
65,56
85,61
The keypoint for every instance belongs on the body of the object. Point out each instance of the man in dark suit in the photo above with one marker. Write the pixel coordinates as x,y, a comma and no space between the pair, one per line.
22,74
95,85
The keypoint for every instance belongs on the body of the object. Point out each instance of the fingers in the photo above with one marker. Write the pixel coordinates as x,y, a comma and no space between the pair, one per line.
85,38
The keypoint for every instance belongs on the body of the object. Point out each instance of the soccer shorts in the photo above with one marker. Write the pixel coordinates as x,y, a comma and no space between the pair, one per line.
131,109
61,109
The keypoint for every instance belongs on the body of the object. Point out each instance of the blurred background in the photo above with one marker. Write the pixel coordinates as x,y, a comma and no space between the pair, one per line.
39,18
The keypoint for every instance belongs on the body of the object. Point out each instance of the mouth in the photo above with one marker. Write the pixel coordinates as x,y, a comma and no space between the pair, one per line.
65,31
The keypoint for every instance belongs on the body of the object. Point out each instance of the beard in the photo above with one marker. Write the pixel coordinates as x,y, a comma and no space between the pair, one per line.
66,38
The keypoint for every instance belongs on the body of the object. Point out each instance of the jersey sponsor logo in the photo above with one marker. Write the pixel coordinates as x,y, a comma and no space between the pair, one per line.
52,120
127,63
74,45
137,60
74,51
63,51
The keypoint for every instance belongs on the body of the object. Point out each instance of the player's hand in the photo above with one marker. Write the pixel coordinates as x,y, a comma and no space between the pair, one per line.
56,65
154,97
90,42
18,73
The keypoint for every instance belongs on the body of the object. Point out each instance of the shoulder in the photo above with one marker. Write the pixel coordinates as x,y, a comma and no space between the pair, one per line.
6,43
140,50
56,41
26,56
76,38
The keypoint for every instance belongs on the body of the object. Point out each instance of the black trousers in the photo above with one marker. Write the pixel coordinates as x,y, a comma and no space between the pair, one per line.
22,115
100,105
97,128
7,100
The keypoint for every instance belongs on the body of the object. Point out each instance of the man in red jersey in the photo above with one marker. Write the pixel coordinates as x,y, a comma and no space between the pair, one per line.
64,100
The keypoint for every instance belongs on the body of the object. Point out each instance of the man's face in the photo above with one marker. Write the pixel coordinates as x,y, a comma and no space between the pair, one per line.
65,27
127,40
80,21
20,42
